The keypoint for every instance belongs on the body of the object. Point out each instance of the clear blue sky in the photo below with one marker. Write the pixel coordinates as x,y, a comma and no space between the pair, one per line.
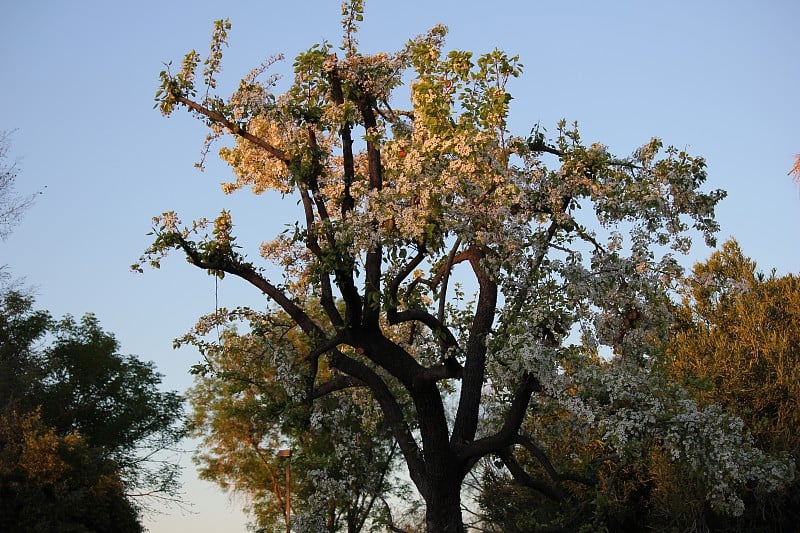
720,79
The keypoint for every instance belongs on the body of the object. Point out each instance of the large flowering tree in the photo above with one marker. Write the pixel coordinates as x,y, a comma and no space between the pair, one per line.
439,261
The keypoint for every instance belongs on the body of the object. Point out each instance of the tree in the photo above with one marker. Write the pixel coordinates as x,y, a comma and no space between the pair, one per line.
647,458
97,413
114,401
341,465
397,205
57,482
11,204
736,344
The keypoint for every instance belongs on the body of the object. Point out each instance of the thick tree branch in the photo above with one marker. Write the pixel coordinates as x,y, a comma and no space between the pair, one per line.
508,433
466,423
554,492
313,180
391,410
336,384
345,132
447,338
386,354
372,268
247,273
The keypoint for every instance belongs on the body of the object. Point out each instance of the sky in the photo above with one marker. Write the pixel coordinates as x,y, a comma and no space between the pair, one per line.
719,79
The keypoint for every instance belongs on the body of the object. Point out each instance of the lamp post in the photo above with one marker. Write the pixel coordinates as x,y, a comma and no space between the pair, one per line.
287,454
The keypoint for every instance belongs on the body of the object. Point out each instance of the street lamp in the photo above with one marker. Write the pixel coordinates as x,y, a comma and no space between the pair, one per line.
287,454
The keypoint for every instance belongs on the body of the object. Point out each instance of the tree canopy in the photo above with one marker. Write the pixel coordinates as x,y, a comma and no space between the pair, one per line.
81,425
462,274
736,344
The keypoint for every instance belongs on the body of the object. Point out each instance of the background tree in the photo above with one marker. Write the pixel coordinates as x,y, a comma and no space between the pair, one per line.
397,205
96,413
11,204
737,344
57,482
342,463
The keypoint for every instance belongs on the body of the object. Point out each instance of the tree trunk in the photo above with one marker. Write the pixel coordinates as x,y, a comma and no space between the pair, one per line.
443,510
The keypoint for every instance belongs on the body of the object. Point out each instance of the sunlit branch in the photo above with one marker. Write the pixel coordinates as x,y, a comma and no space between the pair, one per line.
234,128
268,466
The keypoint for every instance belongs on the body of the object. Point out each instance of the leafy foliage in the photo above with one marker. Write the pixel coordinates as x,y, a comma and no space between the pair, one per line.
248,403
88,420
735,344
57,482
732,349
